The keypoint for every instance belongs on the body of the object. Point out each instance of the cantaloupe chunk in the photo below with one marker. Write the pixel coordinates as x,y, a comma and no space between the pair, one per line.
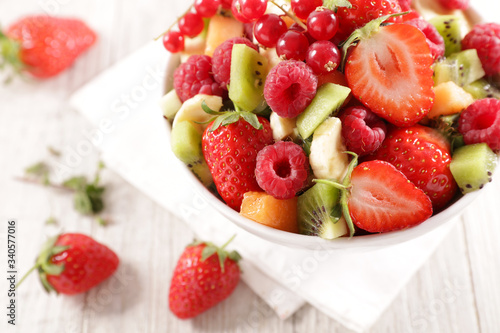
449,99
220,29
265,209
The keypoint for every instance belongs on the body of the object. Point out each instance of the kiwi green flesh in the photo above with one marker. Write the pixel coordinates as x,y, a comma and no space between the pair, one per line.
449,27
329,98
186,146
472,166
481,88
248,74
315,209
462,68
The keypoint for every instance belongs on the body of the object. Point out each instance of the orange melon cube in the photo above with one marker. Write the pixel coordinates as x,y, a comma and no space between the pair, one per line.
220,29
267,210
449,99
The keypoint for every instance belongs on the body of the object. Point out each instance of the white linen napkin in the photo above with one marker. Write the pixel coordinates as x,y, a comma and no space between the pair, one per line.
354,289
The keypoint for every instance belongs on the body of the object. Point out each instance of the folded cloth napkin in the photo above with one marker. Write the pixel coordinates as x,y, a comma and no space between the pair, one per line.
352,288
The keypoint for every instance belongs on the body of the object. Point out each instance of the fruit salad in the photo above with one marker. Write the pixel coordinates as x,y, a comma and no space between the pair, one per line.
335,118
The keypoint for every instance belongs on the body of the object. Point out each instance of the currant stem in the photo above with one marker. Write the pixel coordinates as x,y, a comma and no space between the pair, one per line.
175,22
290,15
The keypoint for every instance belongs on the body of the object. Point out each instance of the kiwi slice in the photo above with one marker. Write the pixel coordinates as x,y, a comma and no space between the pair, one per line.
472,166
462,68
248,74
186,145
329,98
449,27
317,215
481,88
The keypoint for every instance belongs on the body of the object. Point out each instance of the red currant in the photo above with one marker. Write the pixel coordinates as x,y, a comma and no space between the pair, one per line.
191,24
206,8
226,4
302,8
236,10
298,28
323,57
292,45
253,9
322,24
173,41
268,29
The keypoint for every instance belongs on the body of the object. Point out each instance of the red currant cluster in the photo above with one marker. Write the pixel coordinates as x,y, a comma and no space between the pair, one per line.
311,38
191,24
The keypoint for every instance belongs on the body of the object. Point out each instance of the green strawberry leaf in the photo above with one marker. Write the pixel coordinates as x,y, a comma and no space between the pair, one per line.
208,110
252,119
208,251
52,269
75,183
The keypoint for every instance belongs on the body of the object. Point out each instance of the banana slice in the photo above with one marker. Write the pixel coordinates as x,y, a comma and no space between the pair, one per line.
192,111
170,104
282,127
328,158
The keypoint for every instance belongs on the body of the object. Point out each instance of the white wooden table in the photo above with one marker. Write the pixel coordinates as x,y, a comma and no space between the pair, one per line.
458,290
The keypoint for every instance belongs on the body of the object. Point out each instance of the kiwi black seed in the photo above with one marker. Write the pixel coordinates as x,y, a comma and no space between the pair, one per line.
315,210
472,166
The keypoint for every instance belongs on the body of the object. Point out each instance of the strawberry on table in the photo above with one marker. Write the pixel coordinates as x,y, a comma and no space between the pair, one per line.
44,46
73,263
205,275
230,149
389,71
423,155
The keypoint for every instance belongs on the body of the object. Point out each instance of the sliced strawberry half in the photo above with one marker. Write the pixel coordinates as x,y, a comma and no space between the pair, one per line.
382,199
390,72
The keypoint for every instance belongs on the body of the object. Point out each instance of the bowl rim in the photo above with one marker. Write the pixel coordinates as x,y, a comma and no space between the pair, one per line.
313,242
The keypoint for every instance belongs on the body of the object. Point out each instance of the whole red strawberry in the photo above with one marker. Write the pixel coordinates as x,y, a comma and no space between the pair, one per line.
44,46
423,155
74,263
362,12
231,154
205,275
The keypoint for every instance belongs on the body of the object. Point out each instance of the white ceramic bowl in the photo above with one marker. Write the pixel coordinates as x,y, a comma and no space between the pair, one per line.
356,243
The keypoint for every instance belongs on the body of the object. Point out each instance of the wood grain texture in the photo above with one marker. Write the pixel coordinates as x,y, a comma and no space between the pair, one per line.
457,290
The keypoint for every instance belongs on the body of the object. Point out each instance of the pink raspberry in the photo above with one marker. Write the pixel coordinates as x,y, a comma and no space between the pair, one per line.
281,169
221,60
485,38
405,5
454,4
434,39
194,77
290,87
480,122
363,131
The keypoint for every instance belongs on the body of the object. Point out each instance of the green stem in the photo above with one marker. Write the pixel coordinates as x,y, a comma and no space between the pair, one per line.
27,273
175,22
290,15
331,183
227,243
